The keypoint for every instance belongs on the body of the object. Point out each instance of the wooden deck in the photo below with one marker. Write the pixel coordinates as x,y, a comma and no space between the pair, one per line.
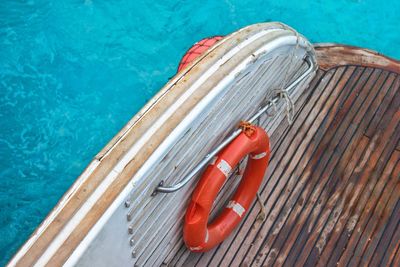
332,191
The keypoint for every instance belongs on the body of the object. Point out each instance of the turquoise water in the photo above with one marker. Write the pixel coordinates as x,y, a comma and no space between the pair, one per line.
72,73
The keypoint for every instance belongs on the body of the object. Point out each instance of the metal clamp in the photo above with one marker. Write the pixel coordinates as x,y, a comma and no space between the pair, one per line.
170,189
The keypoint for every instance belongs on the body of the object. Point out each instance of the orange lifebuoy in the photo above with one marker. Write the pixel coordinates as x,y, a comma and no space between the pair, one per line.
199,236
197,49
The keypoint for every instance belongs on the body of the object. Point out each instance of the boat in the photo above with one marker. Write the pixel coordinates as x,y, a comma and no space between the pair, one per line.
330,195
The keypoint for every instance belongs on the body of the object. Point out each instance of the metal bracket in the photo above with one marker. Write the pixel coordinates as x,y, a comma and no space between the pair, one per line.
172,188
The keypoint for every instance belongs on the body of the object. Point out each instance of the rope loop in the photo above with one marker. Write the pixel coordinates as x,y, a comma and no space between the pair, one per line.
283,94
247,128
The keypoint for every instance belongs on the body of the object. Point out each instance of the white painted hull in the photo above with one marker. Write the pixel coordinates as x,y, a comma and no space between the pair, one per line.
109,216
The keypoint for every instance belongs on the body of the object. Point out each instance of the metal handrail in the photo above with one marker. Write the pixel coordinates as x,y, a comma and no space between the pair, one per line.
170,189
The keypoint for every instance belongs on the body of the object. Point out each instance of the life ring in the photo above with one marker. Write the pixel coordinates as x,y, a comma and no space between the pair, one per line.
199,236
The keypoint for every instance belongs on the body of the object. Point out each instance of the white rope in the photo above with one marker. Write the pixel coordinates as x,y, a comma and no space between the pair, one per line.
263,214
290,109
281,92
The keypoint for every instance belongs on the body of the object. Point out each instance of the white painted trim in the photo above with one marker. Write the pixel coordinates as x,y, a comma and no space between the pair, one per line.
53,214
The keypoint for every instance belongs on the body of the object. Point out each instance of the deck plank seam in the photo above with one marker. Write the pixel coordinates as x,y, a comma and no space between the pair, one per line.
393,191
366,188
294,135
336,202
310,193
287,130
391,241
309,218
385,185
371,104
280,141
396,80
334,102
347,238
301,194
396,255
328,83
309,127
351,211
308,177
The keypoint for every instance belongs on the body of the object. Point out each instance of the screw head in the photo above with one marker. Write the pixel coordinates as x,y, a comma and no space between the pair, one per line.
155,190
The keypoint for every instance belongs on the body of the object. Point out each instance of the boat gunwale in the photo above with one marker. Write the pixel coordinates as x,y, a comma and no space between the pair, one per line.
331,55
107,158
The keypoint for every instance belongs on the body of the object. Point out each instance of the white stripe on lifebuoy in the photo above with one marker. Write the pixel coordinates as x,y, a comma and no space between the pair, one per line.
259,156
224,167
236,207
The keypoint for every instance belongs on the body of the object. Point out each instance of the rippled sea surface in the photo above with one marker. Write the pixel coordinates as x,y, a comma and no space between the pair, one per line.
72,73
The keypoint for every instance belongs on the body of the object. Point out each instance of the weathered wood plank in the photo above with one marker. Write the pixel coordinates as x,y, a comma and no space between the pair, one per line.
334,55
281,154
383,106
358,225
276,142
304,235
316,155
327,161
389,242
379,220
346,214
343,152
395,261
339,201
300,138
343,238
384,254
359,118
